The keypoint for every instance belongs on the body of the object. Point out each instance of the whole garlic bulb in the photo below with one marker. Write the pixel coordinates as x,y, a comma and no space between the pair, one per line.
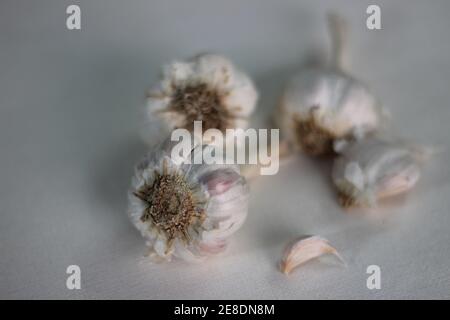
325,103
371,169
183,210
207,88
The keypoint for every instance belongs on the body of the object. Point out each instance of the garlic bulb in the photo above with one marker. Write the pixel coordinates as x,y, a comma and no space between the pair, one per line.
207,88
183,210
325,103
373,168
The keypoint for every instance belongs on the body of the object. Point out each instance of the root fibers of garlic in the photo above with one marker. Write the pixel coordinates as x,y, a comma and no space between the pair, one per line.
207,88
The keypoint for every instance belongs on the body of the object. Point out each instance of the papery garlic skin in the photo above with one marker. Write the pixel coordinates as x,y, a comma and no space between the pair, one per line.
325,103
373,168
304,249
194,216
321,105
206,88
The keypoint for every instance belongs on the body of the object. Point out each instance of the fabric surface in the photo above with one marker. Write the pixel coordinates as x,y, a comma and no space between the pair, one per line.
71,127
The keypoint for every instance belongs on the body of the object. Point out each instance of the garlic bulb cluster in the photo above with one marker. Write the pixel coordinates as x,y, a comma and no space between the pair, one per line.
188,210
184,210
207,88
373,168
322,104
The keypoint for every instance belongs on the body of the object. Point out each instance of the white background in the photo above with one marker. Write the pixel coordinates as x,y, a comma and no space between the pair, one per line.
70,119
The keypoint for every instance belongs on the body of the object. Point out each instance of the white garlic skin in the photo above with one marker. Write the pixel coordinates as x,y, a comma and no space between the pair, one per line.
373,168
225,195
237,91
328,99
342,105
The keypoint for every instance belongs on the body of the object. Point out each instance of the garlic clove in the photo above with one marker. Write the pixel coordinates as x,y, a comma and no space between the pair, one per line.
305,249
398,183
371,169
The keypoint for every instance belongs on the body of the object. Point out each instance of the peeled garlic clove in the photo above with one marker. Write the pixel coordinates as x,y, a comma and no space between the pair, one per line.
304,249
322,104
207,88
373,168
183,210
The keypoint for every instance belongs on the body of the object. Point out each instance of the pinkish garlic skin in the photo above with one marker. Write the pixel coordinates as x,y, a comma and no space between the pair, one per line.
372,169
221,182
304,249
207,205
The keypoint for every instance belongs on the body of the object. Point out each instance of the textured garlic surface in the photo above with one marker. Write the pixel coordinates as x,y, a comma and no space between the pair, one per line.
183,210
207,88
325,103
374,168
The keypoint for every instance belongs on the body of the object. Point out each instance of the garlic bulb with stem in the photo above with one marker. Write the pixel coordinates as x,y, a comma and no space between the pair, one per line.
207,88
322,104
376,168
185,210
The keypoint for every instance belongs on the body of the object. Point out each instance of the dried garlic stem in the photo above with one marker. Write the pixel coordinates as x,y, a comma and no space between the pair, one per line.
304,249
339,39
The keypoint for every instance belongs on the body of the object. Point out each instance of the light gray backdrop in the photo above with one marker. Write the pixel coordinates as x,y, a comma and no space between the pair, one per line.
70,119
